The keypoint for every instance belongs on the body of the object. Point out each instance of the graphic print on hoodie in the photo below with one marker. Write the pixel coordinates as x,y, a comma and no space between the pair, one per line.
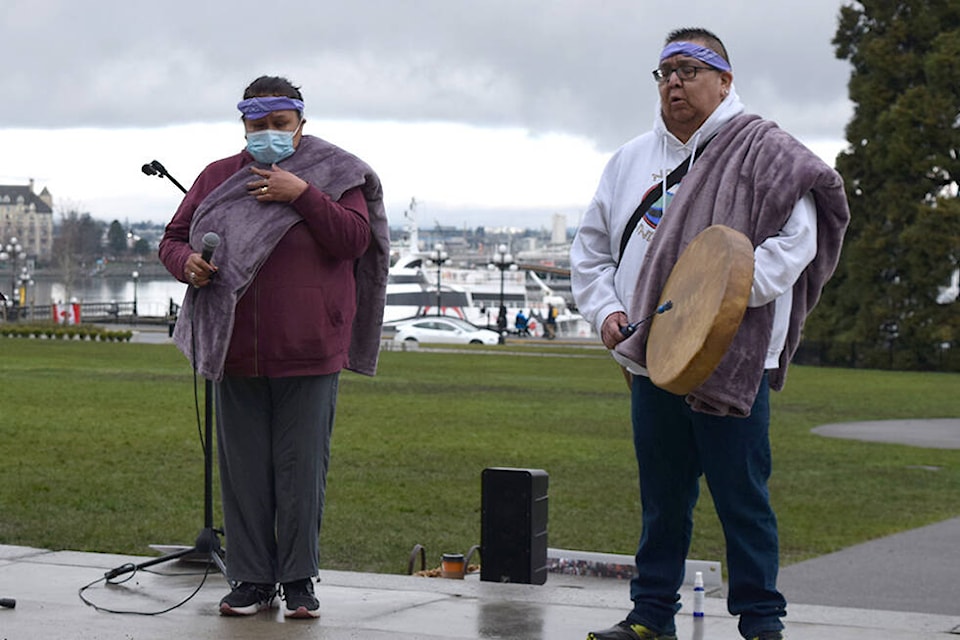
652,217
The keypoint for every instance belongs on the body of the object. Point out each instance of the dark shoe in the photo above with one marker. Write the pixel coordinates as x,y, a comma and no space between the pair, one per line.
299,598
626,631
247,599
768,635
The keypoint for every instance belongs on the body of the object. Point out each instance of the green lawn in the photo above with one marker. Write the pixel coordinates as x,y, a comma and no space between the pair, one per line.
101,452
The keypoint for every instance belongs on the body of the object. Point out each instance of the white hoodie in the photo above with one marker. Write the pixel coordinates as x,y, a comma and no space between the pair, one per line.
604,283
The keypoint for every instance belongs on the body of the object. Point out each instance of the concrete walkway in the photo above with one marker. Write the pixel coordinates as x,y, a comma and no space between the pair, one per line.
914,571
46,587
942,433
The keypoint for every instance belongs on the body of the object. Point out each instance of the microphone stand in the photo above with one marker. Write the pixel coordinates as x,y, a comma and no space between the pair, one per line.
6,603
208,540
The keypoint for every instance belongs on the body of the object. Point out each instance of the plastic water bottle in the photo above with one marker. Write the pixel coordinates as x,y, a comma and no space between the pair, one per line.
698,595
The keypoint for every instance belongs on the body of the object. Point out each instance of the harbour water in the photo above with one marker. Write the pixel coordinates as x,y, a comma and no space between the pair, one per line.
153,293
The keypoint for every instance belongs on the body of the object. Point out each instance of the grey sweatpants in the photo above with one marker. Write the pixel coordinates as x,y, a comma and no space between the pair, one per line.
273,444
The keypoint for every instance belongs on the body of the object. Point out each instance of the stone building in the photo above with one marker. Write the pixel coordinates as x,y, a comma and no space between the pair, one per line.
28,217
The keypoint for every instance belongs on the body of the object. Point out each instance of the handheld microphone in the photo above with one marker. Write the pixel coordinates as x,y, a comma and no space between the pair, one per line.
210,243
630,329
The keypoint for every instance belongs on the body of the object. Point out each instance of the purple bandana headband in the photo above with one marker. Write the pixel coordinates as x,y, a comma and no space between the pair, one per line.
703,54
256,108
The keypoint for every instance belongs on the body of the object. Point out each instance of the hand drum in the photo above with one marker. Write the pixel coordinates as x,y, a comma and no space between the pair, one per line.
709,287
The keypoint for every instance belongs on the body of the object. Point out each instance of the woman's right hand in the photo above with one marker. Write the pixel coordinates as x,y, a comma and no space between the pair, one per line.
197,272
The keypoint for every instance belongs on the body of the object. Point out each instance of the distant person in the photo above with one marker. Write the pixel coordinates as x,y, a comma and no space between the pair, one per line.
292,295
754,178
550,326
520,324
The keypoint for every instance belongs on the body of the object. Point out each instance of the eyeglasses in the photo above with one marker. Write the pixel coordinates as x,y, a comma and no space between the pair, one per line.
684,72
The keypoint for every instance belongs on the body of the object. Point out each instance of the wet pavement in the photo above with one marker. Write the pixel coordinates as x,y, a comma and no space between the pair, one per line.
47,587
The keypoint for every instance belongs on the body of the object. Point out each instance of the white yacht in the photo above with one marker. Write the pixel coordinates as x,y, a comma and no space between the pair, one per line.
419,286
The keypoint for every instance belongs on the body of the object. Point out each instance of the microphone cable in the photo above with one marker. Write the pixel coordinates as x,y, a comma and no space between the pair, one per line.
131,568
133,572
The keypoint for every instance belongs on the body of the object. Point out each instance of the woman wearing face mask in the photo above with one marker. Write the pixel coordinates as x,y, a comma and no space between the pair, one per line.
293,293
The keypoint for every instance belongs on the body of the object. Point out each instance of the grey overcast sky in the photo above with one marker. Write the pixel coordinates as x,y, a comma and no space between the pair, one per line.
488,112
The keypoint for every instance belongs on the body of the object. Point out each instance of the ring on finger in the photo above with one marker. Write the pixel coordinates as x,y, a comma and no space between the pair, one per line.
263,189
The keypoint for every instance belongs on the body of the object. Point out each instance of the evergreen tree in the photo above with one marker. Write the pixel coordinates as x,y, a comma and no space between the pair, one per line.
117,239
901,170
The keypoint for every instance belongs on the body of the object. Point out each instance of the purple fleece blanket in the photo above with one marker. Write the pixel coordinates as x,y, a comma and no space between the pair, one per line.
749,178
249,231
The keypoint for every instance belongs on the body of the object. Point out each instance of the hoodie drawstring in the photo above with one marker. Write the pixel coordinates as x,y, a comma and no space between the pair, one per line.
695,142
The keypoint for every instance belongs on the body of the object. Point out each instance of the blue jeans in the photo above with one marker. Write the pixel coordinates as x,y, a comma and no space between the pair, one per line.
674,446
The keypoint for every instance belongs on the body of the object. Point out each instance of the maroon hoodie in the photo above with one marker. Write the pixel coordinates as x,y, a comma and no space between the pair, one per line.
295,317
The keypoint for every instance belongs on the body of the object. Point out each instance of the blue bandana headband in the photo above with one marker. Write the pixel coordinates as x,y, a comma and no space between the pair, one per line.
256,108
703,54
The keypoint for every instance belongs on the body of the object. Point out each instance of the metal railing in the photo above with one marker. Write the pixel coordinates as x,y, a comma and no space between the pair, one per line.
102,312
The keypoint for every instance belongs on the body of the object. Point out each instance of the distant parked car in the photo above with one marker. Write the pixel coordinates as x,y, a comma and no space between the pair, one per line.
443,330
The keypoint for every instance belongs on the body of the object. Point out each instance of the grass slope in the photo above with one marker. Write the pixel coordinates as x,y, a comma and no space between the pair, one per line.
101,452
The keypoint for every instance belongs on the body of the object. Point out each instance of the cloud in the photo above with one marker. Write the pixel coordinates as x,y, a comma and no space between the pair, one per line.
574,66
474,107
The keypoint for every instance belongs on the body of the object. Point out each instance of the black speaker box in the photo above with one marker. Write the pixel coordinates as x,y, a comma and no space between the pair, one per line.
513,531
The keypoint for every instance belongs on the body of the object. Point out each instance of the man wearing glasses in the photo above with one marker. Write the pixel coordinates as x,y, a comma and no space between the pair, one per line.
706,162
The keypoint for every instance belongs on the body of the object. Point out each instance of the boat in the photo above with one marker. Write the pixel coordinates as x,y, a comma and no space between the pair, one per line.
418,286
410,294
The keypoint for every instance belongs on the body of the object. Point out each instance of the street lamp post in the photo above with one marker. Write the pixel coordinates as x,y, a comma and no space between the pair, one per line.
503,261
14,252
136,279
439,256
26,280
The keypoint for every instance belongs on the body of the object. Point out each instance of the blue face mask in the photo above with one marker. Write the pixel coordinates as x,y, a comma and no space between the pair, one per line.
270,146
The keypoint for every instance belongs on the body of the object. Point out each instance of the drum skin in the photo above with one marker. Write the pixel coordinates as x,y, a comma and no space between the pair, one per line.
709,287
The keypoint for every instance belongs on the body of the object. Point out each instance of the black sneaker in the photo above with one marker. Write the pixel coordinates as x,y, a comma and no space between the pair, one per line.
768,635
626,631
248,598
299,598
